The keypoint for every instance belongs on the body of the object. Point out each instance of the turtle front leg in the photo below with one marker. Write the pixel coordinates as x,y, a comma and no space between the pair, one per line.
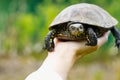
91,37
49,41
116,34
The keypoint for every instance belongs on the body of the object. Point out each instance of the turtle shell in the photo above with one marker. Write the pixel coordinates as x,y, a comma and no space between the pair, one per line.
85,13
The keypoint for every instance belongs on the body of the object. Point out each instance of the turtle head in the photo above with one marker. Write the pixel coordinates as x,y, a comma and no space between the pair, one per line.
76,29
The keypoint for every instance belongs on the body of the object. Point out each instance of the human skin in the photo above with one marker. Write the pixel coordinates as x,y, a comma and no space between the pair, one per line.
66,53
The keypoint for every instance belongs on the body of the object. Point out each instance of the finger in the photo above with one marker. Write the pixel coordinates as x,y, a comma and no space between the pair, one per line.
102,40
56,40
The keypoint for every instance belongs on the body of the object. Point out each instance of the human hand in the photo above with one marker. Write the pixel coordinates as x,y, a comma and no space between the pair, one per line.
78,49
60,61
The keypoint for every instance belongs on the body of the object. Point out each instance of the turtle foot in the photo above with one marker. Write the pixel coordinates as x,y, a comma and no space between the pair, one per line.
91,38
49,43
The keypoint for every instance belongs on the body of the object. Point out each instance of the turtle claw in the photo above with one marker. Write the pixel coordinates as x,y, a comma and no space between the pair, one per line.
93,43
49,46
50,49
118,44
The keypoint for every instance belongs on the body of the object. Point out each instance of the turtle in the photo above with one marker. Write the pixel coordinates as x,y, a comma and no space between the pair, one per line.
82,21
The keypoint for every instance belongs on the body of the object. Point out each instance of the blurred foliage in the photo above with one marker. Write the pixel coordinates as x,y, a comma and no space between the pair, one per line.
24,23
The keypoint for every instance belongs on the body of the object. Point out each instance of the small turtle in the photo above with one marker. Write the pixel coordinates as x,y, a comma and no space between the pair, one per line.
81,22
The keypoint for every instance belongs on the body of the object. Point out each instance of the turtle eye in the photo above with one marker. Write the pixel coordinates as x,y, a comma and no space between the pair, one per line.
81,27
72,27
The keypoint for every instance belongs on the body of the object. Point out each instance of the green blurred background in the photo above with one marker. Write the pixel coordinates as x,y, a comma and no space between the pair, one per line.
23,26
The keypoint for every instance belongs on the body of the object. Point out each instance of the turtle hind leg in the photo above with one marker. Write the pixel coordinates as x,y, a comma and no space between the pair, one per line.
91,37
49,41
116,34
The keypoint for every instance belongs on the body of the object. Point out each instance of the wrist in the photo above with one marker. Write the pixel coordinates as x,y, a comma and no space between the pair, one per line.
59,62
